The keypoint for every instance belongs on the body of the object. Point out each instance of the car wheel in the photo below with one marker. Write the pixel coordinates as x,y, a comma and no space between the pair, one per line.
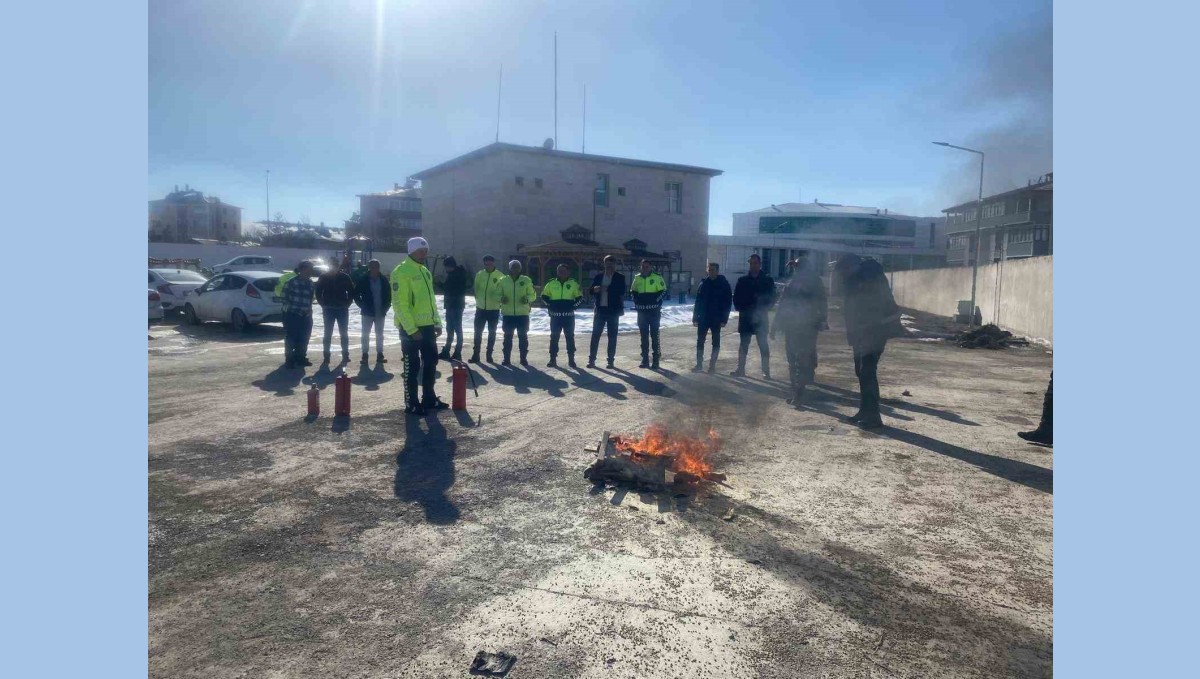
189,315
240,322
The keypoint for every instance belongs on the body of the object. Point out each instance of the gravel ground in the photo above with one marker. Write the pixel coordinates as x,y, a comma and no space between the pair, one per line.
393,546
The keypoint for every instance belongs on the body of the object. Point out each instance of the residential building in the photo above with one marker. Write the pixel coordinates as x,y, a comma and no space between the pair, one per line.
1015,224
498,198
824,231
188,214
390,217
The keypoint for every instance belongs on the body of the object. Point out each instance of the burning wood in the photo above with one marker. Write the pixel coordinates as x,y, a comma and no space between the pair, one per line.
655,460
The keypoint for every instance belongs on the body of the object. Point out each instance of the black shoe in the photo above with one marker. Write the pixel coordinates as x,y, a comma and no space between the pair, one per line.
306,362
571,362
506,362
591,363
871,421
456,356
326,359
444,355
490,359
553,363
712,367
738,373
611,365
524,361
654,363
380,359
699,368
858,417
435,404
366,359
1037,436
345,357
474,358
415,410
644,364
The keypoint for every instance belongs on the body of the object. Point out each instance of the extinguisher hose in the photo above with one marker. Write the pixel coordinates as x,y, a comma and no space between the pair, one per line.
471,374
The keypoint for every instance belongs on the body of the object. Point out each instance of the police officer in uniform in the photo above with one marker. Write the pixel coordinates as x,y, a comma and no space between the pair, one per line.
420,325
562,295
516,294
487,306
648,290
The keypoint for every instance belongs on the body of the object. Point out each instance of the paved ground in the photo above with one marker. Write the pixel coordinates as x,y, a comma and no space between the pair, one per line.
401,547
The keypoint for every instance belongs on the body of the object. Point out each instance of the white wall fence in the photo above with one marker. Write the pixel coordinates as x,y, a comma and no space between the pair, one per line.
282,259
1017,295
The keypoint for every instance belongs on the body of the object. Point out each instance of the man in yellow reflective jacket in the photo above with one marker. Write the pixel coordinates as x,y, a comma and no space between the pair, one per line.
420,325
487,305
562,295
648,290
516,294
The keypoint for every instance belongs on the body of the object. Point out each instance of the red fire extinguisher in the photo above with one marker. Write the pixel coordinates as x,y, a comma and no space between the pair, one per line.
314,401
459,394
341,395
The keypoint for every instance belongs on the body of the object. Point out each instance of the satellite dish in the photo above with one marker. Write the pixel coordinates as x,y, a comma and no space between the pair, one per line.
548,144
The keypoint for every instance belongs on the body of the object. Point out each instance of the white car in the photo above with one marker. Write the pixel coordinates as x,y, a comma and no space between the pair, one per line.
244,263
173,285
243,299
155,305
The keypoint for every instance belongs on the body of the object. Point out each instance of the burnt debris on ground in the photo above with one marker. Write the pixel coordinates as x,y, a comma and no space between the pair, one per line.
988,337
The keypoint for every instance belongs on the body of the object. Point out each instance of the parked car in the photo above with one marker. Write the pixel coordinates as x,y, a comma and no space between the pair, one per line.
155,304
242,299
173,285
244,263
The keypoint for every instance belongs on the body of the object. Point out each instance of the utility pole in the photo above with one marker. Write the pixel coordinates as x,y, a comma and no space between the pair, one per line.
556,89
268,201
978,226
583,148
499,88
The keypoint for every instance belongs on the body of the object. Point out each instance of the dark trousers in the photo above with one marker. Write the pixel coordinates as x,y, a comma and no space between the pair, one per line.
866,367
297,329
340,316
490,318
420,358
801,349
759,332
702,331
1047,423
521,325
600,321
454,329
565,325
648,322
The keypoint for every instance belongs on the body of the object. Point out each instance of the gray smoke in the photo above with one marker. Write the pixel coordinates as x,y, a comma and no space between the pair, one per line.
1013,80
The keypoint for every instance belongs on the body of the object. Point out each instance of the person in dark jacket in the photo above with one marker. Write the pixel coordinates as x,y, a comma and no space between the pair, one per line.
608,291
1044,433
752,297
872,318
561,296
373,295
800,314
335,293
455,300
714,298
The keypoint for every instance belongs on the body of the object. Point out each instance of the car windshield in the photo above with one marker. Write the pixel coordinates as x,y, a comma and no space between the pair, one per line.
181,276
266,284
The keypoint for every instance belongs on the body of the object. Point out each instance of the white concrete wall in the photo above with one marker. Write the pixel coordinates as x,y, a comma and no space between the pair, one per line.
1025,291
478,209
282,259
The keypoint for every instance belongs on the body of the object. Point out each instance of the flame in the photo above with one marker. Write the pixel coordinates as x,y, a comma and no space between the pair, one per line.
690,453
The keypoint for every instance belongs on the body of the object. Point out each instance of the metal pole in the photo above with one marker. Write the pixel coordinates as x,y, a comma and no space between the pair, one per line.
583,148
556,89
978,240
499,88
269,202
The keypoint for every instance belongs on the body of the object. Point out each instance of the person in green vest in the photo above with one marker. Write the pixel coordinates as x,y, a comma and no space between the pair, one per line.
417,319
648,291
516,294
562,295
487,305
287,340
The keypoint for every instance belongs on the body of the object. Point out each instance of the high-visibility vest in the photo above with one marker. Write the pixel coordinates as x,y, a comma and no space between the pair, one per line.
487,290
648,291
283,281
561,297
516,296
413,301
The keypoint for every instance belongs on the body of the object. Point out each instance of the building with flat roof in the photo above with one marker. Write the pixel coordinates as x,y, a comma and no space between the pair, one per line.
391,217
1015,224
824,231
501,197
187,214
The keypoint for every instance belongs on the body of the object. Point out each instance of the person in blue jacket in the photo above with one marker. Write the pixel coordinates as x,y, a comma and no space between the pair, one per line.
714,298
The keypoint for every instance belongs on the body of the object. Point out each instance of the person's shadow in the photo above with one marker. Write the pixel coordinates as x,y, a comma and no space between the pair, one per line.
525,380
639,383
369,378
282,381
585,380
425,469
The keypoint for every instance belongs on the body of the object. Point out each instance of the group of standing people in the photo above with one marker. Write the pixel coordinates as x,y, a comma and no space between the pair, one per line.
801,311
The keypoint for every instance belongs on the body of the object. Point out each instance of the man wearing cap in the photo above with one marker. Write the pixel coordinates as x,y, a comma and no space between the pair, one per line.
454,298
487,305
297,316
648,291
417,319
561,296
516,294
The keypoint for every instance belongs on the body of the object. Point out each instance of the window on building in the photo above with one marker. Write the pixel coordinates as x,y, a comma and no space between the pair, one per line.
538,182
674,197
520,181
621,191
601,190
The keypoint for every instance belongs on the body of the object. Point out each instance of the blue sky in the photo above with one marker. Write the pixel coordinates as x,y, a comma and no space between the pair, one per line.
836,101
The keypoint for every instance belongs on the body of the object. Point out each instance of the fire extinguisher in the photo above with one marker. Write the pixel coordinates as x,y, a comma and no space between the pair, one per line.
314,401
459,400
341,395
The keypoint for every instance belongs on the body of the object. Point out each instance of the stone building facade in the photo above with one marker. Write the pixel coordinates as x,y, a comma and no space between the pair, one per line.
501,197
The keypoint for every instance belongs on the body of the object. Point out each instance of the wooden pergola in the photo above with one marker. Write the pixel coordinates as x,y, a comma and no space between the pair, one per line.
578,249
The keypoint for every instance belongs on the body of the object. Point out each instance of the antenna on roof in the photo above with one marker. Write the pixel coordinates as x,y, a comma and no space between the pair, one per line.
583,147
556,89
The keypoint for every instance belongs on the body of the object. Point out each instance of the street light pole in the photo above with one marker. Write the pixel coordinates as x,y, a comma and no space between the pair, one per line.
268,201
978,226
